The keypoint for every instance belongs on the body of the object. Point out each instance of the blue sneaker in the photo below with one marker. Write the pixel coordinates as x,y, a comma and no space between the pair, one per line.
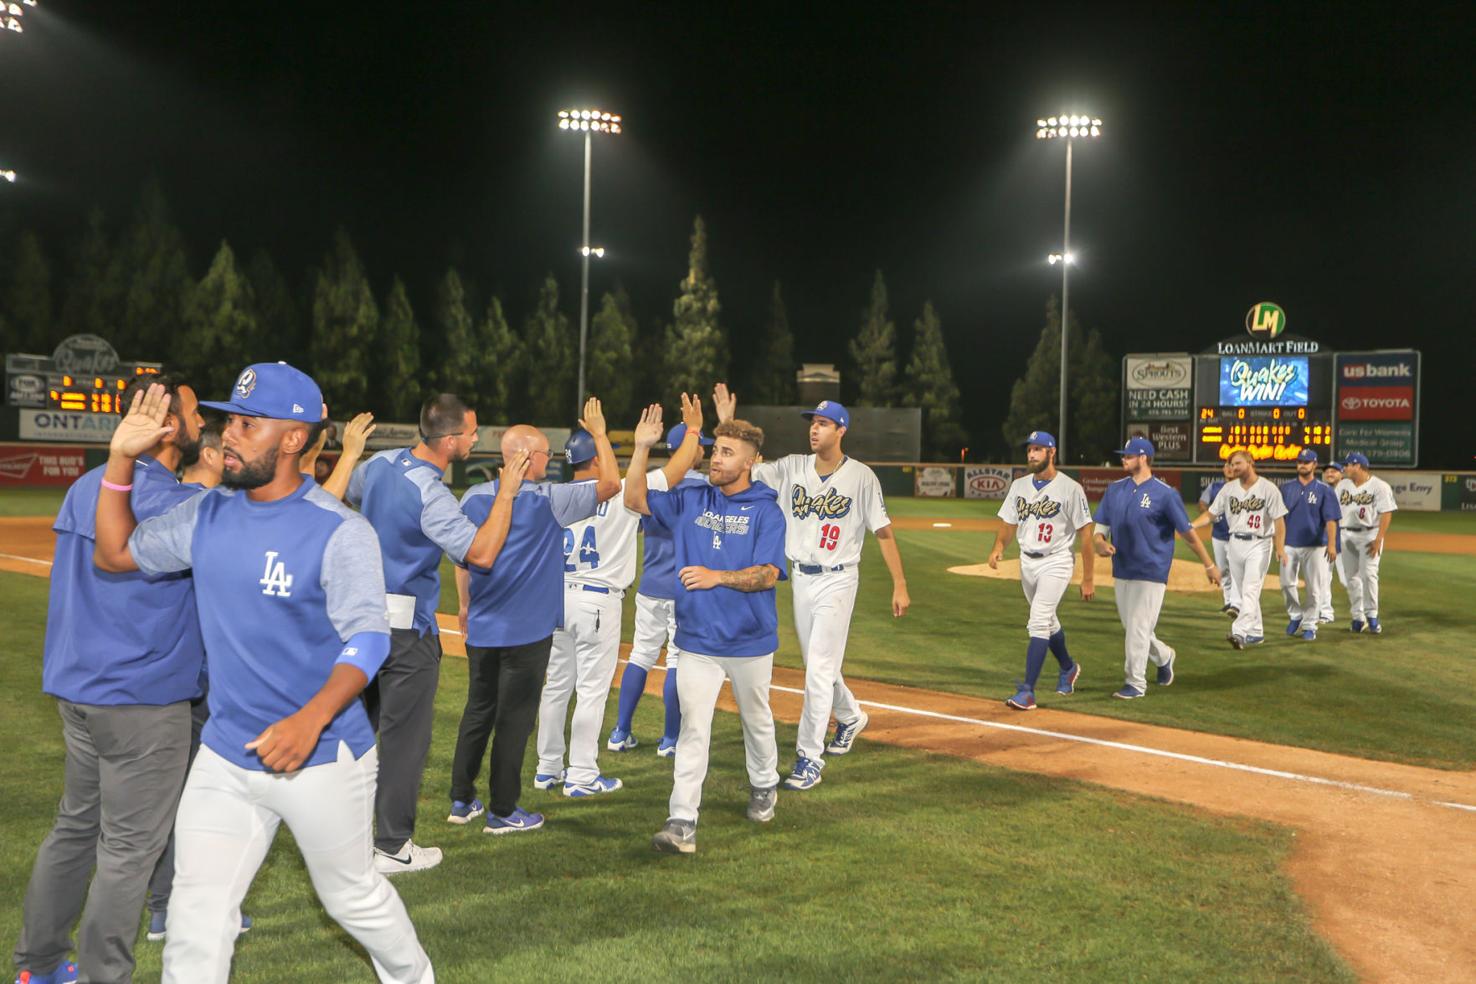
806,774
156,926
65,973
1024,699
1294,626
845,735
1128,693
621,741
1373,625
1166,671
465,812
1066,682
666,747
548,780
601,784
1254,640
516,822
1357,625
1309,634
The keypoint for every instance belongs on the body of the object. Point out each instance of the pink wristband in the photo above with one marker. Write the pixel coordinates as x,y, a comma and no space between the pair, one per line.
117,488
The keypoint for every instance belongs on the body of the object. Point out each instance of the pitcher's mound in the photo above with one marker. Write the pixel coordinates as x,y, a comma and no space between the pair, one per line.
1185,575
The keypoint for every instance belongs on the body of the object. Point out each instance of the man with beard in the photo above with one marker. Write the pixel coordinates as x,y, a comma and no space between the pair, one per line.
1136,522
1253,508
1046,511
289,586
1368,506
122,657
402,493
1311,545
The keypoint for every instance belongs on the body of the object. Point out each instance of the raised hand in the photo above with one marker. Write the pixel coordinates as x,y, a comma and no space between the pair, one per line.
692,412
594,417
356,434
143,426
510,475
649,431
725,403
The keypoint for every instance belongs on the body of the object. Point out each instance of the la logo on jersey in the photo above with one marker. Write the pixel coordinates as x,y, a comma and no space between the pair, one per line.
1145,502
1311,498
274,578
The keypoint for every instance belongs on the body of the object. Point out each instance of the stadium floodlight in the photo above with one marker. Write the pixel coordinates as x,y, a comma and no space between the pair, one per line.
1071,126
588,122
8,175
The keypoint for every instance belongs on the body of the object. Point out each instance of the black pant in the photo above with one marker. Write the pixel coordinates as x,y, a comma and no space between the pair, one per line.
401,701
503,689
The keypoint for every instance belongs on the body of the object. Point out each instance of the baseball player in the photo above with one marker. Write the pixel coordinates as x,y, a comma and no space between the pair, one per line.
1135,526
290,591
829,501
1368,506
1311,545
1332,475
730,553
655,613
1046,511
1220,543
1255,512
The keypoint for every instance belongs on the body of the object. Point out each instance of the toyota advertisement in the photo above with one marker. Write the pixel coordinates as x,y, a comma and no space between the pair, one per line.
1378,406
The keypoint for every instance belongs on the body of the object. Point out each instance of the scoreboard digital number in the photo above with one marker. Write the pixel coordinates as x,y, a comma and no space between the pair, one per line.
1268,433
92,394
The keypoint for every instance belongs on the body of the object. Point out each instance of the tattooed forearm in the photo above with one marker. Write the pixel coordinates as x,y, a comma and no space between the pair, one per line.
760,578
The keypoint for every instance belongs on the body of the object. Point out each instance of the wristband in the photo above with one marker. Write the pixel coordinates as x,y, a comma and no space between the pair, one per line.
117,488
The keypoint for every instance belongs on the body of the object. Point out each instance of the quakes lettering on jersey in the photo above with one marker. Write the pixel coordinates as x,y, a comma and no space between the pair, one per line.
1042,509
1252,503
829,504
1359,498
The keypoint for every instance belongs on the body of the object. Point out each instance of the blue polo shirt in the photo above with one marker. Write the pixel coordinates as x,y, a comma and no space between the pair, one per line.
1141,521
724,533
416,519
1220,529
1309,508
281,586
119,639
521,598
658,560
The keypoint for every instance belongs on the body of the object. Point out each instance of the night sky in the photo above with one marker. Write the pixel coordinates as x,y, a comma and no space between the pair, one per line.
1320,156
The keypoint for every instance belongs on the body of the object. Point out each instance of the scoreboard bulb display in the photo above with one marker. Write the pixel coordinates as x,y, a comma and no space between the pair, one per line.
92,394
1268,433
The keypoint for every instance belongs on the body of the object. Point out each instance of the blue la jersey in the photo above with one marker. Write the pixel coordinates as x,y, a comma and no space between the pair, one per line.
724,533
416,519
1220,529
1309,508
1141,521
118,639
521,598
658,562
281,586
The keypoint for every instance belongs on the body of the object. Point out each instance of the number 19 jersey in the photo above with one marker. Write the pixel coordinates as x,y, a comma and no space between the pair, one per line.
600,551
1046,519
825,519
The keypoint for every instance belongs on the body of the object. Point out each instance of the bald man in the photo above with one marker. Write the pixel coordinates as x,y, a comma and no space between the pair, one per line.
509,612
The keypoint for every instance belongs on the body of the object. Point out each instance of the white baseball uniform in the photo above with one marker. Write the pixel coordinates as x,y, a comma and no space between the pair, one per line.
1363,508
825,522
1046,520
655,617
1220,549
1251,515
599,564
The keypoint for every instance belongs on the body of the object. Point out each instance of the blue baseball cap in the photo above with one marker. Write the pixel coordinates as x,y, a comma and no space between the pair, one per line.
1306,455
275,390
579,448
1039,439
1136,445
1356,458
678,434
830,410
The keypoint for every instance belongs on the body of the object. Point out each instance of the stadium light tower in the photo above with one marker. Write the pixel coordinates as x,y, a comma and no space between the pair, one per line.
1067,127
588,122
11,12
8,175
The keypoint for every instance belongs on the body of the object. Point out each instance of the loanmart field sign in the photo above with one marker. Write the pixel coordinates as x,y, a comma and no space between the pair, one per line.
1378,406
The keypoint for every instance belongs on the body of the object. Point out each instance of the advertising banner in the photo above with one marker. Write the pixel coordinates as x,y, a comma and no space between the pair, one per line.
1376,403
1158,388
60,425
25,389
987,481
1378,396
1170,441
1459,494
41,465
935,483
1415,491
1386,444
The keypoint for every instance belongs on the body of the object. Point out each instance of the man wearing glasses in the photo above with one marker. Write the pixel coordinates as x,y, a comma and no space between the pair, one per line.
402,494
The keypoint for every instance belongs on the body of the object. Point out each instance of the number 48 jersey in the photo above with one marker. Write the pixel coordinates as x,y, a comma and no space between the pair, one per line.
1046,519
825,519
601,551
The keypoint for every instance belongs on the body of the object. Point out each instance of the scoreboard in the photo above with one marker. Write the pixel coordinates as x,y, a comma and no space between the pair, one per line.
1272,406
1268,433
84,375
95,394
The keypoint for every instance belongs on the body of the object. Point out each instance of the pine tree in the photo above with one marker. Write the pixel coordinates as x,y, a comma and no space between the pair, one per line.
94,301
27,298
498,369
550,346
221,327
1092,410
456,369
152,267
931,386
874,350
398,376
611,366
345,323
773,378
278,316
1095,384
696,353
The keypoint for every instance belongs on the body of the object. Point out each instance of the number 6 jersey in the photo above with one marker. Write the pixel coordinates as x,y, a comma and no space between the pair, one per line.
825,519
1046,517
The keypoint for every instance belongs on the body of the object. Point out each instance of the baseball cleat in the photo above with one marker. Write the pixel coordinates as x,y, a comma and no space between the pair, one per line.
621,741
465,812
676,837
1024,699
1128,693
1236,642
66,973
845,735
548,780
583,790
806,774
1309,634
1374,626
516,822
1254,640
1231,611
158,920
1294,626
1357,625
1324,619
1066,682
761,803
410,857
1166,671
666,747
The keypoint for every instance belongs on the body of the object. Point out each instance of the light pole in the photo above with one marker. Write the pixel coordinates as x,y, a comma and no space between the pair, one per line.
588,122
1070,127
8,176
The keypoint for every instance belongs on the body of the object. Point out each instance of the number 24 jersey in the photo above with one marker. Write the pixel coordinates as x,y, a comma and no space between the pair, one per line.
1046,519
825,519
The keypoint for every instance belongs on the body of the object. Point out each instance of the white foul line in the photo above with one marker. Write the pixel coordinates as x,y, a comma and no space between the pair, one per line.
28,560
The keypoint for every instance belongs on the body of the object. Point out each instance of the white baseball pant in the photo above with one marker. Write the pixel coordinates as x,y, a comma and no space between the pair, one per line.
581,663
1327,614
1249,561
698,685
655,626
228,817
1311,564
1229,590
822,619
1138,605
1362,573
1044,581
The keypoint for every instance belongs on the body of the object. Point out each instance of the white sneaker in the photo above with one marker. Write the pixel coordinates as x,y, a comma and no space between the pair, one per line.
410,857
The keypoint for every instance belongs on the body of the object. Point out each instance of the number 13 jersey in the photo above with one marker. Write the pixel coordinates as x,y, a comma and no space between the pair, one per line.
1046,519
825,519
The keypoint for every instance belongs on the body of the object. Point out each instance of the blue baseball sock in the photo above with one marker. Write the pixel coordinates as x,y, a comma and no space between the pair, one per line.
1034,660
632,685
1058,649
673,706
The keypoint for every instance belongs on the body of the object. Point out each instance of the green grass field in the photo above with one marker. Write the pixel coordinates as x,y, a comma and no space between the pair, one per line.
902,866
